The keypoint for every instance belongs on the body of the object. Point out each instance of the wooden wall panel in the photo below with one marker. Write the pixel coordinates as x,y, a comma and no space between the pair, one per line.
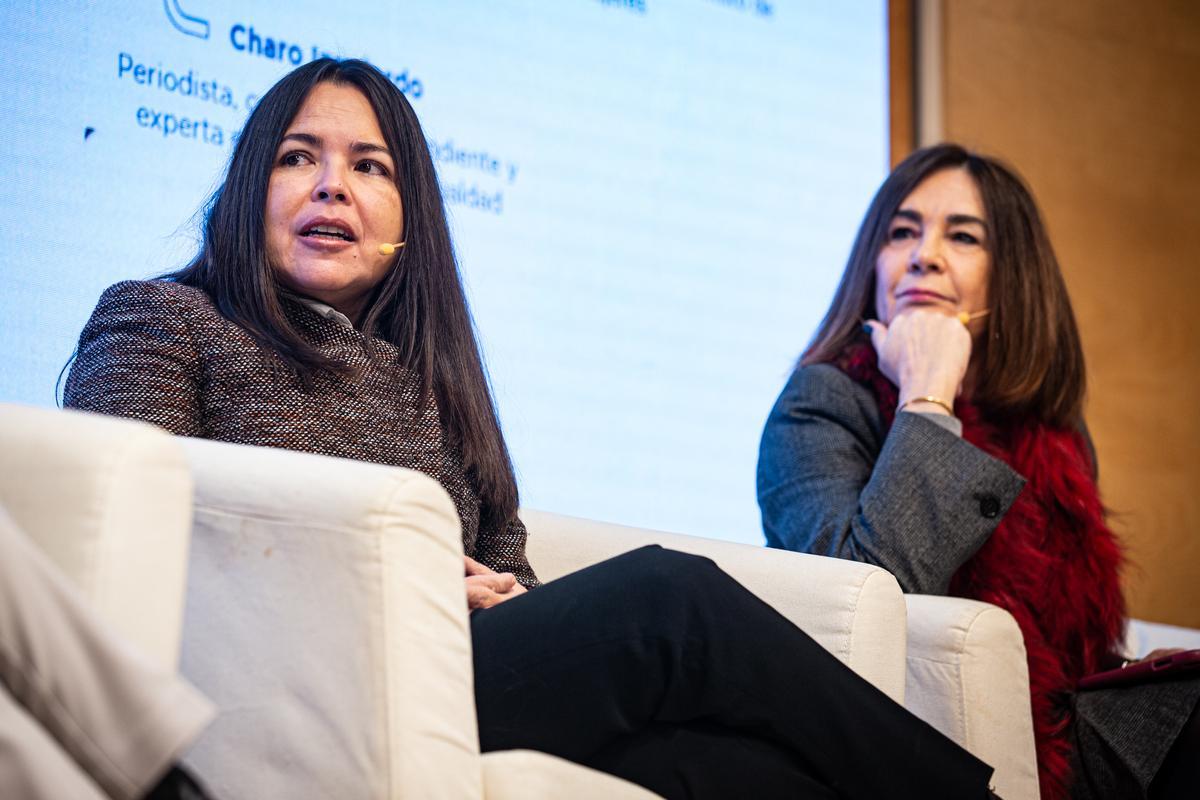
1097,104
902,128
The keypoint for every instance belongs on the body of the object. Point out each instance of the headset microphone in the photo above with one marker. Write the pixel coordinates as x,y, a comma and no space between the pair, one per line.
386,249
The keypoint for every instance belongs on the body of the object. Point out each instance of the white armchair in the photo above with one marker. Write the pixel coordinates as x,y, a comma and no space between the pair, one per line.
325,610
967,676
110,502
326,617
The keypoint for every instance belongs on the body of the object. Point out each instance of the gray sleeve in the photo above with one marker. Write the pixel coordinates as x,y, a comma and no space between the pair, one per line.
952,424
917,501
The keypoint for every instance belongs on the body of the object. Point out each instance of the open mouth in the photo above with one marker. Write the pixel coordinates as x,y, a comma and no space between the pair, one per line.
328,231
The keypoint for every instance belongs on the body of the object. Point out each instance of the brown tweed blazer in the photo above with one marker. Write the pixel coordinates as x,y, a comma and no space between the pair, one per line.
161,352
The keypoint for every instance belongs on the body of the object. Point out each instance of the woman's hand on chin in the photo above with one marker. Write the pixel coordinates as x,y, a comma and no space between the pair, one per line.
486,587
925,352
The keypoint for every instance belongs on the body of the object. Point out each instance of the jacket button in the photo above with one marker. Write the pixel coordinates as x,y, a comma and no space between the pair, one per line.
989,506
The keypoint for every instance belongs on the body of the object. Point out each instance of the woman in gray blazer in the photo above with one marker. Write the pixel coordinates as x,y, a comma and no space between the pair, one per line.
934,427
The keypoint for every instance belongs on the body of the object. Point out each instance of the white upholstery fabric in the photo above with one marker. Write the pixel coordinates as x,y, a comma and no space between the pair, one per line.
526,774
967,676
854,610
326,617
110,502
325,607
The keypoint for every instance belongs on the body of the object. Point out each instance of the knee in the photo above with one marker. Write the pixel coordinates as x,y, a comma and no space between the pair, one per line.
670,574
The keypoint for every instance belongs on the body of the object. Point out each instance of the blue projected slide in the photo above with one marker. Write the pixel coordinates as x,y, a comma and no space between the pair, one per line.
651,201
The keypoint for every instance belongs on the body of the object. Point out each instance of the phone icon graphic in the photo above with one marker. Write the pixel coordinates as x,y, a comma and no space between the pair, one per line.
185,22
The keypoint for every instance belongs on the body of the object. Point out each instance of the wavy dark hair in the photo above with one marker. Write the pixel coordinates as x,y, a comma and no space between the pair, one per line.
1030,362
419,306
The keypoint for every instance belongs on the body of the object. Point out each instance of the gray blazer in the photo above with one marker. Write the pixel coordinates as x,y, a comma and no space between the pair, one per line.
916,500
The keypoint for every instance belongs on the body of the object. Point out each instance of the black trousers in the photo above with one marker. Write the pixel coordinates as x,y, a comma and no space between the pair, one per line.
659,668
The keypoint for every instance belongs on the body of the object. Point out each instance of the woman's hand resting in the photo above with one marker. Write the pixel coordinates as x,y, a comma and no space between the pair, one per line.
924,352
486,587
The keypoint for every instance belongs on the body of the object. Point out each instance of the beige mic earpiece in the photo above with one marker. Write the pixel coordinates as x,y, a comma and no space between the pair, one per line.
386,249
964,317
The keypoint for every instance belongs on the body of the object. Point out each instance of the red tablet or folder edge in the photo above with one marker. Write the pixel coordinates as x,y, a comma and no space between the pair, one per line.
1179,665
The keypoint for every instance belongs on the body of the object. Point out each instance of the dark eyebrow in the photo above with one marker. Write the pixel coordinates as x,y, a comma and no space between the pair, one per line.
357,147
306,138
952,219
965,219
370,147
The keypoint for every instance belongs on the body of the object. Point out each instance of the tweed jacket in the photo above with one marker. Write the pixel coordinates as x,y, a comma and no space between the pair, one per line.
162,352
916,500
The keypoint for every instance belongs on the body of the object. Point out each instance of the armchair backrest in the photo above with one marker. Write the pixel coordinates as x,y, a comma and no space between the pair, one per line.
968,677
326,618
110,502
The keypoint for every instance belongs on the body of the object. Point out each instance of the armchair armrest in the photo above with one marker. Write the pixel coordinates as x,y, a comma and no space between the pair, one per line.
326,617
109,501
967,676
856,611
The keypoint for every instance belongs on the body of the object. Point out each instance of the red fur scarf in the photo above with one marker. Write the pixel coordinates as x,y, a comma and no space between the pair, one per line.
1052,563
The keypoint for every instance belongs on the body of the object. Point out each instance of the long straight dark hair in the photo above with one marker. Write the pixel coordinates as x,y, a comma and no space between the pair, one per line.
419,306
1030,362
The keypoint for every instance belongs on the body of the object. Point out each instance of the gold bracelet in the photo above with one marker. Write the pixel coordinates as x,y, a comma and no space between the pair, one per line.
929,399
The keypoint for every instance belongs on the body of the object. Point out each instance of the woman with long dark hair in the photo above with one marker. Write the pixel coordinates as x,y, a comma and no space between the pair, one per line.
325,313
247,352
934,427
